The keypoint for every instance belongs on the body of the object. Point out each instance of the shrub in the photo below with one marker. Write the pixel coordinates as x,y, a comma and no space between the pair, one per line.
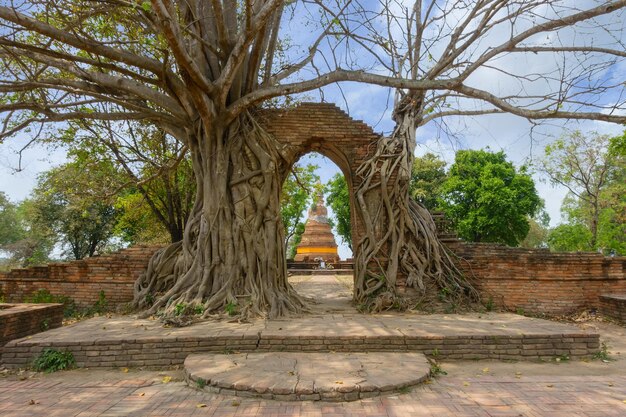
43,296
52,360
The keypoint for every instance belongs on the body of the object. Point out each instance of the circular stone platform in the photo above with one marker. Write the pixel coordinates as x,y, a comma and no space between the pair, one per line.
291,376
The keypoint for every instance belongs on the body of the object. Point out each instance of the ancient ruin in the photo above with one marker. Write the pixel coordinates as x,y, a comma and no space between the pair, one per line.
318,242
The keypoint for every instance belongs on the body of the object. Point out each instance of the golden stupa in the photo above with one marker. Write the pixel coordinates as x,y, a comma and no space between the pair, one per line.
318,241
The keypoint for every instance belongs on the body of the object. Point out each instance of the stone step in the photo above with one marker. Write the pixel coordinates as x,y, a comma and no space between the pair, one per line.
290,376
125,342
614,305
321,271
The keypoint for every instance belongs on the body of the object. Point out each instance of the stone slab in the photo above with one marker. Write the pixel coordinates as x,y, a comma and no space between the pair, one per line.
306,376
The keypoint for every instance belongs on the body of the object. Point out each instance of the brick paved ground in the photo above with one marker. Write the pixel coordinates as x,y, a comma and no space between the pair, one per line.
472,388
116,394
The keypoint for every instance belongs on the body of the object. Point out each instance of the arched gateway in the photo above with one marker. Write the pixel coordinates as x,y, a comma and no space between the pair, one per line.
327,130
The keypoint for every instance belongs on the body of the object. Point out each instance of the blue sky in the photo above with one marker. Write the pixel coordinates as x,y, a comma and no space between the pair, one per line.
522,141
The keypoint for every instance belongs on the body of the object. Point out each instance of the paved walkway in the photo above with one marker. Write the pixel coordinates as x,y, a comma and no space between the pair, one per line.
471,388
117,394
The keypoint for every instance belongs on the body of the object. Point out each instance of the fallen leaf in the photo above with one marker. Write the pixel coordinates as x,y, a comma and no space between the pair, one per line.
338,382
167,379
142,394
466,384
200,405
485,370
125,370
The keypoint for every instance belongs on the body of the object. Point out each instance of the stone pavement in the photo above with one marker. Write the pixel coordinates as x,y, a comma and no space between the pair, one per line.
472,388
308,376
109,393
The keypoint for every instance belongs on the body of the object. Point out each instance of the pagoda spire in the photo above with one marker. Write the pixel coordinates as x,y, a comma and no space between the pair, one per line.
318,241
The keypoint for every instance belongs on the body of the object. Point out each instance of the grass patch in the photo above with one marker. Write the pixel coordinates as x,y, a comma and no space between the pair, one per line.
603,353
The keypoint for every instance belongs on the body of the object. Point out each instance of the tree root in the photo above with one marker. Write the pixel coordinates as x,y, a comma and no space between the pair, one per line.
408,242
231,261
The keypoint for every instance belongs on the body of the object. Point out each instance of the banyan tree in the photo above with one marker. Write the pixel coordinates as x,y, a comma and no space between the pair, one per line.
200,70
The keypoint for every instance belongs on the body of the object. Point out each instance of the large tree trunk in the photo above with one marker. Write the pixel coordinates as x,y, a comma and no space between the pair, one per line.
400,236
231,258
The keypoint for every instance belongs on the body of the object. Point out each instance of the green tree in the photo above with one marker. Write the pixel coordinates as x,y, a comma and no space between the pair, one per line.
11,229
593,168
537,236
200,70
338,200
156,181
75,202
570,237
26,244
581,163
487,199
298,190
427,176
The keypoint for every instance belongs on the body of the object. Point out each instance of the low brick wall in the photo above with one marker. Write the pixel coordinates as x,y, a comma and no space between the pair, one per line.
539,281
21,320
535,281
171,350
614,305
82,280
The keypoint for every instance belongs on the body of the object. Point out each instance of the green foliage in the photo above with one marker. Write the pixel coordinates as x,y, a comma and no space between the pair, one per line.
153,185
231,308
184,309
102,305
298,190
436,370
10,226
593,168
70,203
570,238
27,245
487,199
489,304
537,236
338,200
603,353
52,360
427,176
43,296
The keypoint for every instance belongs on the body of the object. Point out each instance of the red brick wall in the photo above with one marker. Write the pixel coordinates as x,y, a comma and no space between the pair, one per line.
538,281
21,320
82,280
324,128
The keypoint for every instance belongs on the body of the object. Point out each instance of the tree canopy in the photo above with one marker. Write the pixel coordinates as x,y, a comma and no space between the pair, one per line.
338,199
297,196
593,168
427,176
487,199
199,70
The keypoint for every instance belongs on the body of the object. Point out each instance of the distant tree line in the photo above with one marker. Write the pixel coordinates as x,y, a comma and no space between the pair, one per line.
109,197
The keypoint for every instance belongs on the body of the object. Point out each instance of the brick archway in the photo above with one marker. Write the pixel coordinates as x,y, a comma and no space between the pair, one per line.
327,130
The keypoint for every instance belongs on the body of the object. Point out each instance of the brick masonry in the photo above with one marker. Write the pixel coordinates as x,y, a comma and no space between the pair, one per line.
21,320
124,342
535,281
81,280
539,281
614,305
